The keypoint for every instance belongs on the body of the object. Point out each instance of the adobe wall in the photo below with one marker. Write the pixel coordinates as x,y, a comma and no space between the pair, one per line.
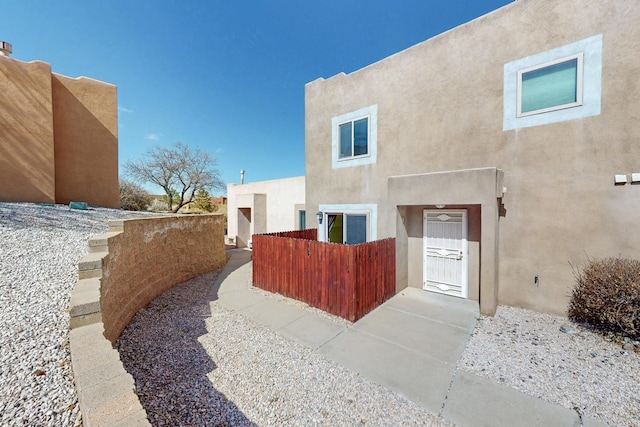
150,256
85,122
27,172
58,137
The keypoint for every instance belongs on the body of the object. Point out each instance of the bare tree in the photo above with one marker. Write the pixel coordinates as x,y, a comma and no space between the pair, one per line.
179,171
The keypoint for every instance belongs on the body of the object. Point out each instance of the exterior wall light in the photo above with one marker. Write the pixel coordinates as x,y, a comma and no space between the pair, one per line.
440,206
320,215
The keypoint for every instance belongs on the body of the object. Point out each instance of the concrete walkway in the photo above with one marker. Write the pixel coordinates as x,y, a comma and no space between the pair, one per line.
410,344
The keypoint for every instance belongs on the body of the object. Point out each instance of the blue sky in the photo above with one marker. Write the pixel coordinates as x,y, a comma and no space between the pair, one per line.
224,76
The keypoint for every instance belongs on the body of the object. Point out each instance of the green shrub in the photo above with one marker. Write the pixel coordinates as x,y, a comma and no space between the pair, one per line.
133,197
607,296
203,201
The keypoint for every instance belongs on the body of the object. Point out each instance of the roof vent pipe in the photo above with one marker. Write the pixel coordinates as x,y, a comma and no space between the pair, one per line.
242,176
5,48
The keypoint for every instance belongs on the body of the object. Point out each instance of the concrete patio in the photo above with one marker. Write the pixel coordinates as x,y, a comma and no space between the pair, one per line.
410,344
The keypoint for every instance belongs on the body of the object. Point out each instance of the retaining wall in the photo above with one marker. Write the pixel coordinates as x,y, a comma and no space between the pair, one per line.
125,269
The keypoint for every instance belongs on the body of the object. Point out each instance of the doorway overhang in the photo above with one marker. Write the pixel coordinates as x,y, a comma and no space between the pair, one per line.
484,187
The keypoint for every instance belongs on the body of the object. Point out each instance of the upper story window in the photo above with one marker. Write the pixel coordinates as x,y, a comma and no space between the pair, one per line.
551,86
354,138
561,84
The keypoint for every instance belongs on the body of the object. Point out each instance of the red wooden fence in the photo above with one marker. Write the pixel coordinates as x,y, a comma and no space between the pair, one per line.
345,280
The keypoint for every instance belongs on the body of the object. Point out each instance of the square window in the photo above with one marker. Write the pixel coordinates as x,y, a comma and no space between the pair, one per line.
551,86
349,228
354,138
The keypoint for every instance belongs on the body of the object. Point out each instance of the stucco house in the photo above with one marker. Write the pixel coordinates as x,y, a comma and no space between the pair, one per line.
501,154
265,207
58,136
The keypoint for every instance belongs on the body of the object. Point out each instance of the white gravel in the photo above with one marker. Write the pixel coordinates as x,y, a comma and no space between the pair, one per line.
200,364
39,251
584,371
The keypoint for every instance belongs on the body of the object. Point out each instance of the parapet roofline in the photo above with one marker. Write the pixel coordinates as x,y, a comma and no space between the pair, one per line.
79,78
38,61
485,16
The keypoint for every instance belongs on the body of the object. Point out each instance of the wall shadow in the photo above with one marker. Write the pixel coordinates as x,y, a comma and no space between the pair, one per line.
160,349
86,149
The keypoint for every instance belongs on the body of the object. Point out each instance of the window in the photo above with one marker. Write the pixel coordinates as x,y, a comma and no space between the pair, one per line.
551,86
354,138
557,85
348,223
302,219
347,228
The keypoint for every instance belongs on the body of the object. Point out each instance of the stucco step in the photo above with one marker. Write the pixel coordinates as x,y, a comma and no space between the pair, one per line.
84,306
100,243
90,266
116,225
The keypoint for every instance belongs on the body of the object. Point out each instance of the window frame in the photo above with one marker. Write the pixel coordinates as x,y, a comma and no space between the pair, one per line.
579,85
371,113
591,84
353,139
344,215
370,209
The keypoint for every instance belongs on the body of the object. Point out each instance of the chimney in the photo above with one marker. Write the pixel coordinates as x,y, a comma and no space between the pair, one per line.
242,176
5,48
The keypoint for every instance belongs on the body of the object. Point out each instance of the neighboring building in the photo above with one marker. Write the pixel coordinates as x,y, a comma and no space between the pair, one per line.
219,204
501,154
58,136
265,207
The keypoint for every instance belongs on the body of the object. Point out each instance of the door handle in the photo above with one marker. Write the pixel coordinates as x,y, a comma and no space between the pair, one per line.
460,255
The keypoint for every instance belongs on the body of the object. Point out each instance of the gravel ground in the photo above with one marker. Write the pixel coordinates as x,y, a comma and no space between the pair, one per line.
200,364
39,251
583,370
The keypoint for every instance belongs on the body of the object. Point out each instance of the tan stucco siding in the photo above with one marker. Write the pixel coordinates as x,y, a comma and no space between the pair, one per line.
58,137
440,108
86,136
27,171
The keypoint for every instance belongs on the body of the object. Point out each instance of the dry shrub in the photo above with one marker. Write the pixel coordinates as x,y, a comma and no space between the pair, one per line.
607,296
133,197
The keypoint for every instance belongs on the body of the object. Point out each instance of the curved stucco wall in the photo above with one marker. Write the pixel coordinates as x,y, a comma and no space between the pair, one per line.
150,256
127,268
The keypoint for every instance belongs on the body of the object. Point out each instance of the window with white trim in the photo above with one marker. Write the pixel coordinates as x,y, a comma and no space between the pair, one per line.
348,223
557,85
354,138
551,86
349,228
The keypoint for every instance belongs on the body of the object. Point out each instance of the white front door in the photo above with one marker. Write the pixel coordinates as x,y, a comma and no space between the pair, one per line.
445,252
